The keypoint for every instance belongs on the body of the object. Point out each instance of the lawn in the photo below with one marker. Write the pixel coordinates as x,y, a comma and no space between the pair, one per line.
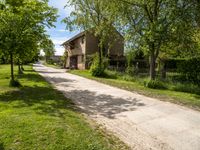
182,98
36,116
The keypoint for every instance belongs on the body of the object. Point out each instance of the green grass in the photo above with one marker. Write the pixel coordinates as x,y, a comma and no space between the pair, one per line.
36,116
134,84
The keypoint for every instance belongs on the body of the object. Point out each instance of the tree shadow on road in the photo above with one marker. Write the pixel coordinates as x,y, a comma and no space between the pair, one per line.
48,101
105,105
44,99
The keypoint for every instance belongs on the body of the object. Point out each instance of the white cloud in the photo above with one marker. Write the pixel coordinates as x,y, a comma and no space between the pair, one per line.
59,51
58,41
61,30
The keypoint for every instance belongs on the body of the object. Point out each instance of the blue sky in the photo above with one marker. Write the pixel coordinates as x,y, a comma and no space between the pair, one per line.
59,34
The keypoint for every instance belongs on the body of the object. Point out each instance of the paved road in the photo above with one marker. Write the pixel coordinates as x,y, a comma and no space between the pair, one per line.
141,122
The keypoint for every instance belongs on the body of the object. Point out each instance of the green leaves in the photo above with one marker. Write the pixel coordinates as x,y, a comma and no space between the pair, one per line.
48,47
22,24
91,14
22,27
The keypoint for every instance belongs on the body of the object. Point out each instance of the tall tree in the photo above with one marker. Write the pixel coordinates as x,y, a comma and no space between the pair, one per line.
21,21
151,25
48,47
92,15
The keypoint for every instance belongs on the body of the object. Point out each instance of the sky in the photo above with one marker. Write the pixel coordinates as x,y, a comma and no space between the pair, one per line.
59,35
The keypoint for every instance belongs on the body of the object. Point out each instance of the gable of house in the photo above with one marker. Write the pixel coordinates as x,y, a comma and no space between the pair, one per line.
87,43
75,46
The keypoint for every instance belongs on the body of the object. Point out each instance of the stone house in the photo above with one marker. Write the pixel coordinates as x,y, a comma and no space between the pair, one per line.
85,44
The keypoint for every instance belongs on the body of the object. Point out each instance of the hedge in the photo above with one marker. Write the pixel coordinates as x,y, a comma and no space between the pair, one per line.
190,70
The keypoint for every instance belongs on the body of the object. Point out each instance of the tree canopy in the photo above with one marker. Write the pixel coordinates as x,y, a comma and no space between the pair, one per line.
22,27
160,28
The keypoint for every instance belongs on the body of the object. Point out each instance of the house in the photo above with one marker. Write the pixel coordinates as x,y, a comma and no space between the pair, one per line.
85,44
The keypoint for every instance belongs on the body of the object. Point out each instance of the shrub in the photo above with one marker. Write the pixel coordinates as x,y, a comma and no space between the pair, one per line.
128,78
97,69
130,70
155,84
189,88
14,83
172,64
111,74
190,70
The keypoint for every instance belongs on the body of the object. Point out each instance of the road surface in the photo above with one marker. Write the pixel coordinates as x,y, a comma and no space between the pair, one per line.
141,122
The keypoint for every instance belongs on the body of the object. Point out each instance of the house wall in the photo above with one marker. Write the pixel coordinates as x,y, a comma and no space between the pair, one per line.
91,44
79,51
81,62
67,62
79,47
116,48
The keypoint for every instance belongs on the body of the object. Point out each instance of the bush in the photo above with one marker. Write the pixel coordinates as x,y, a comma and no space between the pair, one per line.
172,64
111,74
130,70
14,83
97,69
190,70
155,84
128,78
189,88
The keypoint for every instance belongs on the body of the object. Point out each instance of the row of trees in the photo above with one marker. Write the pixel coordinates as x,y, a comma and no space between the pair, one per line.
159,28
22,30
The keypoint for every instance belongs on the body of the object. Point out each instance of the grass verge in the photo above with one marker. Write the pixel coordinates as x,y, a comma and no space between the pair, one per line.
182,98
36,116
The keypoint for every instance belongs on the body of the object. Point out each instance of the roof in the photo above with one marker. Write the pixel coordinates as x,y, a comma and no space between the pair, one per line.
75,37
80,35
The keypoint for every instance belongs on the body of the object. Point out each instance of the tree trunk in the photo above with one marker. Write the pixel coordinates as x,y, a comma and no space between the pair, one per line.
100,57
12,67
152,66
163,71
22,68
19,67
100,53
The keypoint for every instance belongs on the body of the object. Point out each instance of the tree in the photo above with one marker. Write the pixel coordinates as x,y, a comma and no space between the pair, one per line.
64,59
48,47
20,23
93,15
28,49
152,25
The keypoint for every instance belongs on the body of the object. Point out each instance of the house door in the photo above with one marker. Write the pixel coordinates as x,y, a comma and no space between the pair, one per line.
73,62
